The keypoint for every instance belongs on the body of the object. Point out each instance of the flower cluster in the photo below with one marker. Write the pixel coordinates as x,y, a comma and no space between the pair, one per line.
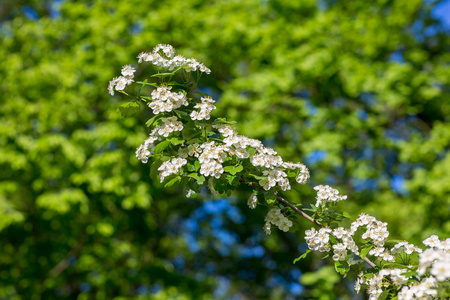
318,240
303,176
274,177
206,106
326,194
437,257
171,167
120,82
164,56
405,246
275,217
144,151
377,282
375,230
170,125
211,159
340,251
419,290
163,100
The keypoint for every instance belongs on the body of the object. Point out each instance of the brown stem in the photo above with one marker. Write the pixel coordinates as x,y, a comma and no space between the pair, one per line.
309,218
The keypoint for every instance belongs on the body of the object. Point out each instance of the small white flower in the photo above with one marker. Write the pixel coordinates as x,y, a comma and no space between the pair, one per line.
128,70
252,201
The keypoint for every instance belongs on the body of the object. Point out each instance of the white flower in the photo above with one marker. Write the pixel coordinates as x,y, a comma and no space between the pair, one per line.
339,232
171,167
326,194
142,153
190,193
128,70
206,106
267,228
432,241
303,176
252,201
275,217
163,55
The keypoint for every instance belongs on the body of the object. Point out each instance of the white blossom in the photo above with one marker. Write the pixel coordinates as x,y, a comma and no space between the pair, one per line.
252,201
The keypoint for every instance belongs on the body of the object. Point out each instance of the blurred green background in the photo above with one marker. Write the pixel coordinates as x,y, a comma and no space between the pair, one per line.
357,90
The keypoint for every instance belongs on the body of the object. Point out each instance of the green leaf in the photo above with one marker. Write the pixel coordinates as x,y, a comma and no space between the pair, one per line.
251,151
199,178
190,167
162,75
409,274
183,113
364,251
211,133
394,265
313,208
270,197
153,120
223,120
341,267
147,83
175,83
197,165
176,141
346,215
172,181
393,241
161,146
383,295
258,177
130,108
301,256
291,174
230,178
143,84
233,169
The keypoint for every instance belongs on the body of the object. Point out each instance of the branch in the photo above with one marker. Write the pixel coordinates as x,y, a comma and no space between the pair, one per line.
309,218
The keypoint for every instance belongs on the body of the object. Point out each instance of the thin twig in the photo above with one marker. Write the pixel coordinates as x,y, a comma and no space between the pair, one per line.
309,218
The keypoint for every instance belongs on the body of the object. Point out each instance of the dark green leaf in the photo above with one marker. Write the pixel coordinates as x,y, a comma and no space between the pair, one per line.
183,113
172,181
161,146
190,167
230,178
153,120
130,108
